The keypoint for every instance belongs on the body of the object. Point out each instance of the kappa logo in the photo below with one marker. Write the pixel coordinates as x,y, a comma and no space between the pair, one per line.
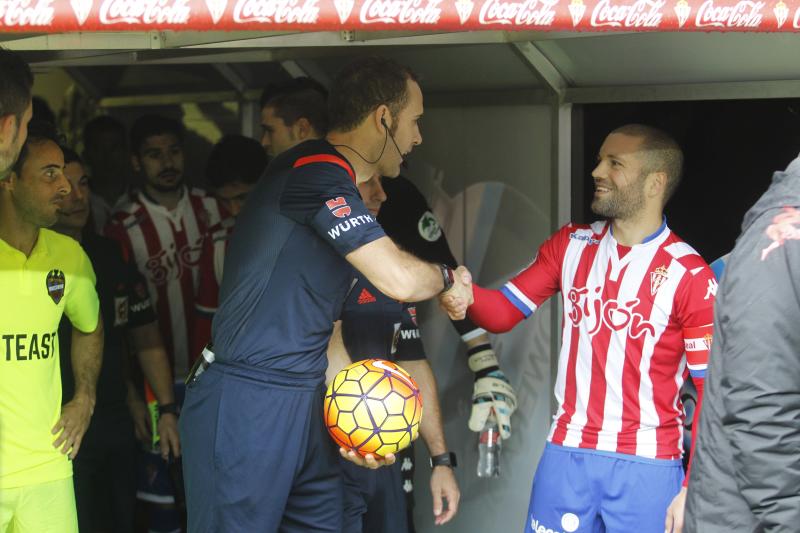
581,237
711,290
657,279
55,282
365,297
339,207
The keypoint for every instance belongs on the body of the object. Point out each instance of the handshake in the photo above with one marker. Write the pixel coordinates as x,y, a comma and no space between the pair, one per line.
458,298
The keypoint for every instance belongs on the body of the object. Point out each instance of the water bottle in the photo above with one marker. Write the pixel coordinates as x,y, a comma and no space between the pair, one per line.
489,445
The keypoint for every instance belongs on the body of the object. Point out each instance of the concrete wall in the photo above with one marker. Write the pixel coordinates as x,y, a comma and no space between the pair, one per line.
486,172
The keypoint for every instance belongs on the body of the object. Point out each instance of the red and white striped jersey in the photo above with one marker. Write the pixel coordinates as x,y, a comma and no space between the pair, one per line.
166,248
630,314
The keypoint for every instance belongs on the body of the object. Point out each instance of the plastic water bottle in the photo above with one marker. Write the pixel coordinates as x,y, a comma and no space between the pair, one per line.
489,445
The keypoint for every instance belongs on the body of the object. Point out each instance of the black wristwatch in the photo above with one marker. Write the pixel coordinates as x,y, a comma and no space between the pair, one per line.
168,409
445,459
448,277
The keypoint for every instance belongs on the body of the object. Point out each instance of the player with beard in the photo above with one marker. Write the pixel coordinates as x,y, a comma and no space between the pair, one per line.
45,276
161,228
636,297
16,109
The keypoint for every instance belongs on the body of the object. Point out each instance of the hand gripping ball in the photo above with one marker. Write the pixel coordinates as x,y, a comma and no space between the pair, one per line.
373,406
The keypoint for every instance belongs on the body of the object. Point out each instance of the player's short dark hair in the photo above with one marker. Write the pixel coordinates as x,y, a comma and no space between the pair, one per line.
661,154
71,156
298,98
362,86
41,110
16,82
39,132
99,127
149,125
235,158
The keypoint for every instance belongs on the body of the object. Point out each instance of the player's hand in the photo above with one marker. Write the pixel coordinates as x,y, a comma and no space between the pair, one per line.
674,522
459,297
168,432
141,420
74,421
369,460
444,488
491,393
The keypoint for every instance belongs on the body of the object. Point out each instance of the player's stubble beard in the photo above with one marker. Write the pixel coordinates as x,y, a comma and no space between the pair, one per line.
9,157
166,187
620,203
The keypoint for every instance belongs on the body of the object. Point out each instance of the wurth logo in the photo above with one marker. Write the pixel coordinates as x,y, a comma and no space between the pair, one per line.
343,227
610,313
339,207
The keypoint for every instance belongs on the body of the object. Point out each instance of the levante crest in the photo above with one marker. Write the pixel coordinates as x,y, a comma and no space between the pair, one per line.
55,285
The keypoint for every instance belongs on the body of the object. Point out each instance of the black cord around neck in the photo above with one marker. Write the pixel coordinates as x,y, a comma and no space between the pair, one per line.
367,161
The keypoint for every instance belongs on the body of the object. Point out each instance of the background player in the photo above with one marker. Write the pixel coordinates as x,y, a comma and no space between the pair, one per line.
374,325
232,170
635,298
105,470
46,274
161,228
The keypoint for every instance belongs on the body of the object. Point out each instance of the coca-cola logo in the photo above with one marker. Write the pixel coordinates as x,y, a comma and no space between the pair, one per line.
276,11
640,14
525,13
744,14
401,11
611,313
796,19
145,12
26,12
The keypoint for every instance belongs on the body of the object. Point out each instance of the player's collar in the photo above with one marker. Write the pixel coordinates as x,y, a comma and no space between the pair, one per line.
653,236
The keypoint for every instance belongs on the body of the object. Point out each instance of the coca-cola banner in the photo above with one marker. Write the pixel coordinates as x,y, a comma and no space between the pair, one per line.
583,15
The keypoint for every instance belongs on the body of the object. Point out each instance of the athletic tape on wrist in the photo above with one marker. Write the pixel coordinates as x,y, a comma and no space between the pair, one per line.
482,358
474,334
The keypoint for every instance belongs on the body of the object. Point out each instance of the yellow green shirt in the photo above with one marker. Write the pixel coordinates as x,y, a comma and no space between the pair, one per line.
34,292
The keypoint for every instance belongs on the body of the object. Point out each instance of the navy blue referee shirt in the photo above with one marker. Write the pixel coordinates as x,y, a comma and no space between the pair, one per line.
285,277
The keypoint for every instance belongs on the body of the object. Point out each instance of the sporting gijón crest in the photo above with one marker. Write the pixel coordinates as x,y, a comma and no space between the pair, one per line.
339,207
657,278
55,285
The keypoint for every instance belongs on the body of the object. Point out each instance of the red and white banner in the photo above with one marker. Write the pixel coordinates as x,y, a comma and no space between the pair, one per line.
542,15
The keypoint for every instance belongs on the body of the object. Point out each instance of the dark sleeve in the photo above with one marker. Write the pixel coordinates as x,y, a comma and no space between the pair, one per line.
409,341
322,196
759,313
409,221
140,307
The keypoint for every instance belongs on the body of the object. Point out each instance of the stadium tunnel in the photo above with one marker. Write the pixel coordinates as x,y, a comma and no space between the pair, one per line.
512,124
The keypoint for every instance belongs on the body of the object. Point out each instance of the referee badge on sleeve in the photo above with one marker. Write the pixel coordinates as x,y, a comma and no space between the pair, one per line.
55,285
